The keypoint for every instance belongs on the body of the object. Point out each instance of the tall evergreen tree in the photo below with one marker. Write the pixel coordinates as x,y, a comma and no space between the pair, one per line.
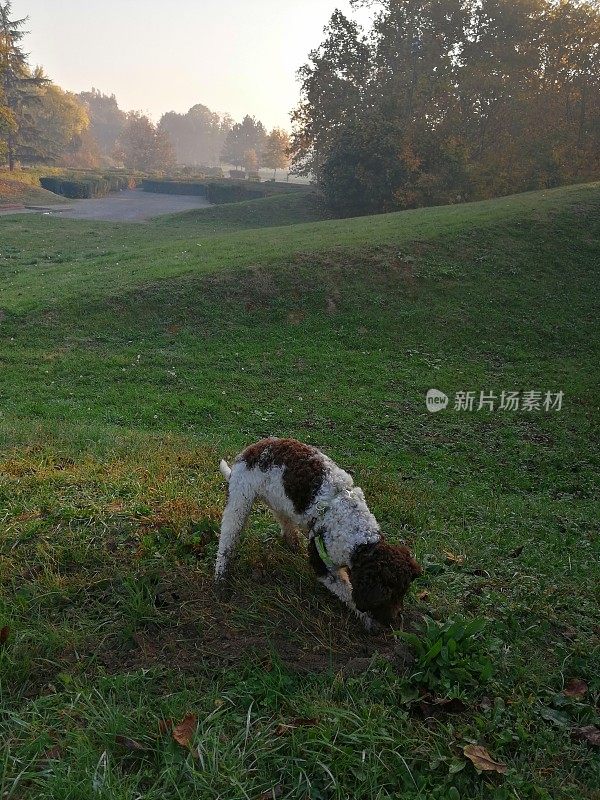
19,84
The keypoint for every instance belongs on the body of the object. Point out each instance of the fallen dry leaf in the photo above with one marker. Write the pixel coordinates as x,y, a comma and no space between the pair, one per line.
4,635
589,734
301,722
482,760
423,595
452,558
183,732
575,688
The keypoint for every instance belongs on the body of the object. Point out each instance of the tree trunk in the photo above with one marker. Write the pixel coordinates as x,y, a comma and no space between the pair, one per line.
11,153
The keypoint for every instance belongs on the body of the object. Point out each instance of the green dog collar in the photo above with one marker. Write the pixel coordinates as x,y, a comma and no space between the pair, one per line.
322,551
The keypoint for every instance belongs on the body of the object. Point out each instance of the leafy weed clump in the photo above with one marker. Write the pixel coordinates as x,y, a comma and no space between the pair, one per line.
449,655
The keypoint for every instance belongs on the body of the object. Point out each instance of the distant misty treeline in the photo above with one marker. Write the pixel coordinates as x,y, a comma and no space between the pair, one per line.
198,138
40,123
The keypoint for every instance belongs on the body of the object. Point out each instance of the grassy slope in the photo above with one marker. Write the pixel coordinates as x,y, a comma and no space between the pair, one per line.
134,356
17,193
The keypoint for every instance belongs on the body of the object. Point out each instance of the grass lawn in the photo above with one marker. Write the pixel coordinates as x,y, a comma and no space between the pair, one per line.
133,357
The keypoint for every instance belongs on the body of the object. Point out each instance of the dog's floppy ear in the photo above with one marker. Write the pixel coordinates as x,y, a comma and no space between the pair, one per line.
367,590
381,575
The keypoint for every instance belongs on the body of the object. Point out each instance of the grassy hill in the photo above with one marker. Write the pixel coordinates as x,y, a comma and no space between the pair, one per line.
135,356
15,193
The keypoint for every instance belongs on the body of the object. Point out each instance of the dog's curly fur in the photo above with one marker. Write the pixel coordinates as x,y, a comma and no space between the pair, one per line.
307,491
381,575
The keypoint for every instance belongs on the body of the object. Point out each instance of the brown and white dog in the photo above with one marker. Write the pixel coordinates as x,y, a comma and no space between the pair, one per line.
307,491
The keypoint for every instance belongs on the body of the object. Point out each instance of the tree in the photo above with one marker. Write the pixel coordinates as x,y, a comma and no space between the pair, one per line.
198,136
250,160
333,82
53,125
249,134
472,98
143,147
19,84
82,153
276,152
107,121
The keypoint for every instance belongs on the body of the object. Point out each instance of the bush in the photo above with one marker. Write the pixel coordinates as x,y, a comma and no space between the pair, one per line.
85,185
77,188
175,187
219,191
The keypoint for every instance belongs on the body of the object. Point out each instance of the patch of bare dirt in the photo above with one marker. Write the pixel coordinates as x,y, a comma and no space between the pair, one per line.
203,630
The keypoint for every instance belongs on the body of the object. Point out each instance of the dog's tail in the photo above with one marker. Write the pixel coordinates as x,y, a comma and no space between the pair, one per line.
225,470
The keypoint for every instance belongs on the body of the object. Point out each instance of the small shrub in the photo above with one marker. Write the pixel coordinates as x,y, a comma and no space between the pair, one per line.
449,654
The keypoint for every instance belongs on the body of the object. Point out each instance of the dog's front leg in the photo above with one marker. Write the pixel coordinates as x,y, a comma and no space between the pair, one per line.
339,585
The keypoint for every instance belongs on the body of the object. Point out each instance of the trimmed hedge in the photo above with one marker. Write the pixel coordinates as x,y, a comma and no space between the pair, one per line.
84,186
220,192
197,188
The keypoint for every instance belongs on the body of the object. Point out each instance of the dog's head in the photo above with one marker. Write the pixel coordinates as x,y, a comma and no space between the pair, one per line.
381,575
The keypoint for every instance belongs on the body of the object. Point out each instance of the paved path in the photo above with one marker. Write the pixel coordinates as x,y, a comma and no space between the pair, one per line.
133,205
130,206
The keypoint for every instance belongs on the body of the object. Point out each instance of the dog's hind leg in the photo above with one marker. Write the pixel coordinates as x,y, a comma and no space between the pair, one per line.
235,516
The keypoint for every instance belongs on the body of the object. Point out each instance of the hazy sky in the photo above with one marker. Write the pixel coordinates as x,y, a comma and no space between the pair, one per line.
239,56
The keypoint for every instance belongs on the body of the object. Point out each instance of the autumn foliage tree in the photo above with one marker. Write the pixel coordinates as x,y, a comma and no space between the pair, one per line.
448,100
143,146
276,155
107,122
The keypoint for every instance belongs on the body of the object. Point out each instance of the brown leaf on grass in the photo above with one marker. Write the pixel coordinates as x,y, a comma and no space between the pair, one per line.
301,722
452,558
183,732
590,734
423,595
4,632
130,744
482,760
575,688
